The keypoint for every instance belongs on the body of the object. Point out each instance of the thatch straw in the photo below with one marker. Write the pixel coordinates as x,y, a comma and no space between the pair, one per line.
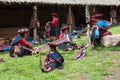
72,2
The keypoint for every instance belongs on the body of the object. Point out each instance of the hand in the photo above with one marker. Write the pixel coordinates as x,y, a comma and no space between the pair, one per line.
36,50
48,22
47,63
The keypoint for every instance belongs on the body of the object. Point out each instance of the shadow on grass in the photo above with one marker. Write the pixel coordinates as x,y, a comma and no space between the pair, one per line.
115,25
103,48
4,52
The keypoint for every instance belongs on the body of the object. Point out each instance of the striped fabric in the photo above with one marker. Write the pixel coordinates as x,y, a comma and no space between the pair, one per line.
59,41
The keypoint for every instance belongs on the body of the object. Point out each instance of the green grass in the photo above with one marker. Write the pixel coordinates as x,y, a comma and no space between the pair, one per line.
115,29
95,66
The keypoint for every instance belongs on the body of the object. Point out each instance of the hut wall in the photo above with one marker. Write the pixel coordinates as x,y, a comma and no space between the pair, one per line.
118,14
14,16
105,10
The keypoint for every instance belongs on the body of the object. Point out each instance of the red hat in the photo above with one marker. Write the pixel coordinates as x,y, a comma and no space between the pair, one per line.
52,44
22,31
97,16
54,14
64,28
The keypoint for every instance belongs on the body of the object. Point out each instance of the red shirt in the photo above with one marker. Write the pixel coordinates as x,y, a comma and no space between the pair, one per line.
55,22
61,35
25,43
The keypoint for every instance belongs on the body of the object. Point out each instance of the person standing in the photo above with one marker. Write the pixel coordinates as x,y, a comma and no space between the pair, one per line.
54,26
113,14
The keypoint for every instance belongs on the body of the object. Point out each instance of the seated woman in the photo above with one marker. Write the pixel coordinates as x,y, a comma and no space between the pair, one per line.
102,26
53,59
19,45
65,33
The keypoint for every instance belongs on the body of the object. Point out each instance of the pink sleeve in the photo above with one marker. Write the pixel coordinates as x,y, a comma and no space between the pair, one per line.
61,35
26,43
53,21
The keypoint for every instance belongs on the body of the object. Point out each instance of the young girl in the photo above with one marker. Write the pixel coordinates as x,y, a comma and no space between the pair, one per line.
53,59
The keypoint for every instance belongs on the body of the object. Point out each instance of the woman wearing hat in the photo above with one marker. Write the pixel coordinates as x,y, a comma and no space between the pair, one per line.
53,59
55,25
65,33
102,26
19,45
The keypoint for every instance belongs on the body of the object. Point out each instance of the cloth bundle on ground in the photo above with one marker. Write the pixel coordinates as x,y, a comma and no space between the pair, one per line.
81,54
4,47
2,60
67,45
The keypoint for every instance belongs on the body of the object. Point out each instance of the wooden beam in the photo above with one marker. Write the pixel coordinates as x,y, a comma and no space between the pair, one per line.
35,24
88,25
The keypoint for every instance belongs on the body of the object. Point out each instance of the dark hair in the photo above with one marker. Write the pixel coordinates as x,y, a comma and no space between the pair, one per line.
53,48
23,35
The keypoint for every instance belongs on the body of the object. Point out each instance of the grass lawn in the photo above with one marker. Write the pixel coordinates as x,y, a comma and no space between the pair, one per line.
97,64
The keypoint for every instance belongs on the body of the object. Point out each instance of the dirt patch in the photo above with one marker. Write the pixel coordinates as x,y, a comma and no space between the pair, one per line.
116,71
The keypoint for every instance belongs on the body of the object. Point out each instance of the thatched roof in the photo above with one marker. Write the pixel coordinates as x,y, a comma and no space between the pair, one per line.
73,2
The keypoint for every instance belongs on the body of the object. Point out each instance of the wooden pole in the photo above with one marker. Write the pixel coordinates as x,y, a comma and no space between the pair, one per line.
110,15
88,25
70,25
40,61
94,10
70,21
35,23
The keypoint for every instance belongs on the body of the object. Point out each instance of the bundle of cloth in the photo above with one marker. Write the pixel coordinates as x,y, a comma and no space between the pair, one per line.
81,54
4,47
2,60
4,44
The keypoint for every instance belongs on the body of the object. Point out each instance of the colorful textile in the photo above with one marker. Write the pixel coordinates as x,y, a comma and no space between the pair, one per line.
54,59
4,47
103,24
80,54
15,40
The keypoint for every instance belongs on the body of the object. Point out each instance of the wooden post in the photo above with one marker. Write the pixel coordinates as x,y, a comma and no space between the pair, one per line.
88,25
110,15
89,36
94,10
35,24
70,25
70,21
